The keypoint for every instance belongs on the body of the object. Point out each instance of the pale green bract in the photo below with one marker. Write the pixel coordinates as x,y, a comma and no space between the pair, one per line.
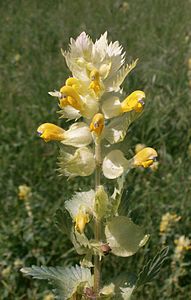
67,280
124,237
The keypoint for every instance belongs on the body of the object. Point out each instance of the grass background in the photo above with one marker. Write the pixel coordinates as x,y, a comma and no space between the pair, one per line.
32,33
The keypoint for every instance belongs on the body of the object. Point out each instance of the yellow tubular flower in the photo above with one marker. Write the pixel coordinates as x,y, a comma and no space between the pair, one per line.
74,83
24,192
72,97
135,101
50,132
97,124
95,81
145,157
81,220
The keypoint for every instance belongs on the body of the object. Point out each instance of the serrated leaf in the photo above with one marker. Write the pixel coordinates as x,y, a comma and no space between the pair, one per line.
67,280
80,242
152,268
63,221
122,73
124,237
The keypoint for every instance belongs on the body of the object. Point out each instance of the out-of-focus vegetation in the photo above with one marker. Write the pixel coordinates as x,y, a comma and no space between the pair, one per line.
32,33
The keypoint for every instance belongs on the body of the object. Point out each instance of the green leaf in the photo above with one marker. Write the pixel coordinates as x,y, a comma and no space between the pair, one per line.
152,268
66,280
124,237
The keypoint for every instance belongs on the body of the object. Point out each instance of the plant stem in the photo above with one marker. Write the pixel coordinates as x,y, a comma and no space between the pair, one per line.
97,262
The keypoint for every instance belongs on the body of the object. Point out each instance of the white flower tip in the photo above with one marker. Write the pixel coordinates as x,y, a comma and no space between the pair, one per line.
55,94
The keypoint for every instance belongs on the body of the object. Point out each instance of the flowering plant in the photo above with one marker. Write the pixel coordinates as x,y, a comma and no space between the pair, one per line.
102,114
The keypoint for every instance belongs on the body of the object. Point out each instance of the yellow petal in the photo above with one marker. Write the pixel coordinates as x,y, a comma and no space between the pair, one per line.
81,220
135,101
50,132
72,97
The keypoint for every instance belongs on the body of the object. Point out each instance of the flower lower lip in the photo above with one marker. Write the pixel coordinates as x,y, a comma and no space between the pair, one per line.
39,132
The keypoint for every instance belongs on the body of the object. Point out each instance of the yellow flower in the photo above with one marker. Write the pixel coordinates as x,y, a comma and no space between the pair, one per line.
95,81
24,192
167,220
50,132
70,97
81,219
154,166
135,101
112,107
97,124
78,135
183,244
145,157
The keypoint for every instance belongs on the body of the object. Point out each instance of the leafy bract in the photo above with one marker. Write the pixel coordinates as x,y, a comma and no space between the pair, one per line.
124,237
65,225
66,280
117,128
83,201
101,202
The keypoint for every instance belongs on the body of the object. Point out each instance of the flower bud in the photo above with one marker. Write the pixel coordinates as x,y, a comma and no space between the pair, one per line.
95,81
145,157
50,132
97,124
105,248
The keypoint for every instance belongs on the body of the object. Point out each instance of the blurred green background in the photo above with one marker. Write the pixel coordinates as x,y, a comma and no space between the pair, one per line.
31,35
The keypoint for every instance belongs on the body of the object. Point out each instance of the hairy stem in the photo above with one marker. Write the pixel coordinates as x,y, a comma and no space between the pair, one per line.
97,262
